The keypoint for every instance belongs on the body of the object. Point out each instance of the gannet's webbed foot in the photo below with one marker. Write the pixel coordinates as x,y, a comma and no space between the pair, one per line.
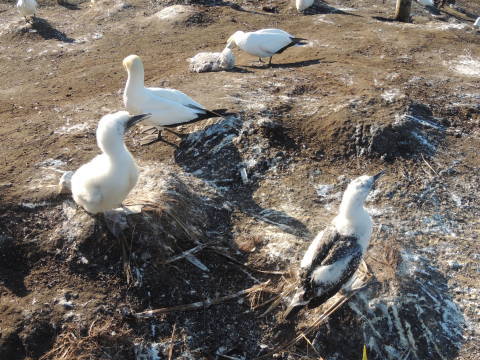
154,138
181,136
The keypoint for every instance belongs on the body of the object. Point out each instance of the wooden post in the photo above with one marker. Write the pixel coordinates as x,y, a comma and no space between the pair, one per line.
402,12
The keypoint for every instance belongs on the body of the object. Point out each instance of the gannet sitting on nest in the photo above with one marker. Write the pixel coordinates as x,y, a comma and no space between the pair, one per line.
168,107
27,9
105,181
335,254
303,4
264,43
216,61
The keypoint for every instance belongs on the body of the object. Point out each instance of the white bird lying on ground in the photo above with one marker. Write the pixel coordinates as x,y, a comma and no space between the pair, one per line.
27,8
335,254
264,43
303,4
168,107
212,61
105,181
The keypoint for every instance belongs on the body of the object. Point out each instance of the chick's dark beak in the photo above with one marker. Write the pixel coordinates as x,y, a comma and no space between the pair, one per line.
136,119
377,176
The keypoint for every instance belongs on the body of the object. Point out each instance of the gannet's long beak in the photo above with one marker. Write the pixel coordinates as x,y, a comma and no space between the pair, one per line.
136,119
375,177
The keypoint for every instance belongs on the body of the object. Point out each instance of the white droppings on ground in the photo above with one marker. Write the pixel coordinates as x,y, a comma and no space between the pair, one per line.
31,205
465,65
52,163
72,129
323,19
323,190
391,95
173,12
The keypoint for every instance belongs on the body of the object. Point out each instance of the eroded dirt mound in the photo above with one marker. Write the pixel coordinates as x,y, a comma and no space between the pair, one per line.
235,204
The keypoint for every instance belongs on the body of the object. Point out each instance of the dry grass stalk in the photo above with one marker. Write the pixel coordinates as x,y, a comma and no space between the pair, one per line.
99,341
186,253
170,348
202,304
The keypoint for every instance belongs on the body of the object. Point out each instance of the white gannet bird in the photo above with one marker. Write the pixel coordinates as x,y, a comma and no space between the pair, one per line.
264,43
27,8
477,23
168,107
105,181
335,254
303,4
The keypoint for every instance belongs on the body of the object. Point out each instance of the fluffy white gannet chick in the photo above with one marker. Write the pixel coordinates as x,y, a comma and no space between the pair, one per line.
212,61
335,254
168,107
105,181
27,8
303,4
264,43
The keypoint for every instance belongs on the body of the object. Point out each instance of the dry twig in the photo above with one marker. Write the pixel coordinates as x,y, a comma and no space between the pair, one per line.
201,304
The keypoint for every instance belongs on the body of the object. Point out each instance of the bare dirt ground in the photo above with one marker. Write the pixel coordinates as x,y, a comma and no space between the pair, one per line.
365,94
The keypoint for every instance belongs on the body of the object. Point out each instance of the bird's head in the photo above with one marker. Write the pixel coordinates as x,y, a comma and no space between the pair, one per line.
232,40
132,63
358,189
112,127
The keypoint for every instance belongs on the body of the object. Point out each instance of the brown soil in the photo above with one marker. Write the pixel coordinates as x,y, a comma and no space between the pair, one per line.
322,114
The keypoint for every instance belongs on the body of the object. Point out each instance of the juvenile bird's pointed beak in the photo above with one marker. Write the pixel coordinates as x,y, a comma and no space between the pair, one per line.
377,176
136,119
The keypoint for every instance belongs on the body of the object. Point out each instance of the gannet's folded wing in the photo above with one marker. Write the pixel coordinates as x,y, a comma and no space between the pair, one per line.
174,95
272,43
334,271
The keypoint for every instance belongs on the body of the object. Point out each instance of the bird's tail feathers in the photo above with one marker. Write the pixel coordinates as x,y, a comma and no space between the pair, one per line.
222,112
296,305
205,114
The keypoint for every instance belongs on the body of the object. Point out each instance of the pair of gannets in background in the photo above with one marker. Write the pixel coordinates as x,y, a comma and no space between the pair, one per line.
335,254
264,43
303,4
168,107
105,181
27,8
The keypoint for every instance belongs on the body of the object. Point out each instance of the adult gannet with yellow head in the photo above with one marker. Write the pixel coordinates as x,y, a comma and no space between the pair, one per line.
168,107
264,43
105,181
335,254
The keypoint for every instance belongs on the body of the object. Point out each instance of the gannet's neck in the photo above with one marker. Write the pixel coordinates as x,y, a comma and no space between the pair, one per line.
352,207
114,148
352,218
135,79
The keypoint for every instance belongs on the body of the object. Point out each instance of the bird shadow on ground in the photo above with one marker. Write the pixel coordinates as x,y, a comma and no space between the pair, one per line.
324,8
211,155
296,64
237,69
47,31
384,19
68,5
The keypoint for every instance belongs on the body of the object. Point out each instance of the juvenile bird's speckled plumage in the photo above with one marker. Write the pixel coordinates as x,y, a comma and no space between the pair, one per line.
335,254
